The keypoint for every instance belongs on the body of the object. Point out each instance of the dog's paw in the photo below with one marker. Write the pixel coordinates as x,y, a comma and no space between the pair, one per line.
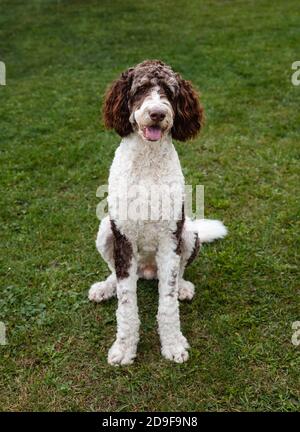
102,291
176,352
186,290
184,342
121,354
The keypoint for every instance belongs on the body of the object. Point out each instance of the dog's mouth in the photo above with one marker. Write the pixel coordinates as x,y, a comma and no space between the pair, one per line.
152,133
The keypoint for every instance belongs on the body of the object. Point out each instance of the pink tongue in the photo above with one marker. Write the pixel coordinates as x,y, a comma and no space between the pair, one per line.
153,133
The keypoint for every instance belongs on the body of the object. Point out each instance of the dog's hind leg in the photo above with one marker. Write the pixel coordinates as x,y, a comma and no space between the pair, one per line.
104,290
189,252
194,233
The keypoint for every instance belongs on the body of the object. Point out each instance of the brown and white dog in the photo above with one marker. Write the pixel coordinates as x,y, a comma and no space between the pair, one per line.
147,106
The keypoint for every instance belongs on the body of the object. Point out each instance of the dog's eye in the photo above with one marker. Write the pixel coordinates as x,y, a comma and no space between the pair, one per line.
140,95
142,90
166,92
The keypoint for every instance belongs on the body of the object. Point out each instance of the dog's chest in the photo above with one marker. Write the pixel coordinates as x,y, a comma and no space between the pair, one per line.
146,189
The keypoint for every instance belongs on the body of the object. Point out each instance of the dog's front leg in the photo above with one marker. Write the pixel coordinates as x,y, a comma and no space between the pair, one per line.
123,350
173,344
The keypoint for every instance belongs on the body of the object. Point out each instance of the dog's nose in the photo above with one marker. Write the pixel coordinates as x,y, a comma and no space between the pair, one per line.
157,115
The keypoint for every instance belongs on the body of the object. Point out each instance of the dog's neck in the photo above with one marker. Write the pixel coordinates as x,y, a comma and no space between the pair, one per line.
143,156
154,150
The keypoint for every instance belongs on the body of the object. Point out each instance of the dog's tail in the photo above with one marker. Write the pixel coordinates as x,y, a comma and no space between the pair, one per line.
208,230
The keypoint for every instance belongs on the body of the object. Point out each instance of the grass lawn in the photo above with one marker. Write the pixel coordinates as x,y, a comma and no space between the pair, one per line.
60,56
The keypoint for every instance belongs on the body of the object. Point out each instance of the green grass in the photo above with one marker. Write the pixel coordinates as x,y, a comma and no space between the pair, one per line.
60,56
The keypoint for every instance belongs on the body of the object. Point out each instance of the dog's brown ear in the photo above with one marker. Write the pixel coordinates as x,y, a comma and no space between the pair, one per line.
115,110
188,112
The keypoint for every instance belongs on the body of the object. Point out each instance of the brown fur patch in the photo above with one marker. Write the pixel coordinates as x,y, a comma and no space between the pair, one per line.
188,112
178,232
122,252
152,73
173,278
195,251
172,283
116,105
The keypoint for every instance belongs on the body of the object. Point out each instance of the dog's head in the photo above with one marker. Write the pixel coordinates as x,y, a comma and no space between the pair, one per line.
154,101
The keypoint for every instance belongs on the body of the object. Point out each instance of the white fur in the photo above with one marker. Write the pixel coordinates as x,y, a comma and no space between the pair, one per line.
208,229
148,164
